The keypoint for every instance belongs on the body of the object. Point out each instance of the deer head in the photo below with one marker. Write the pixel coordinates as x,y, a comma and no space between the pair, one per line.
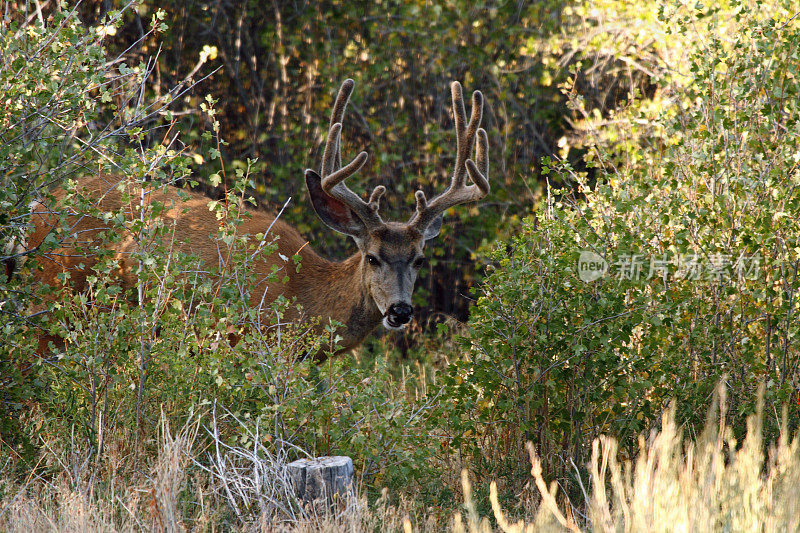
392,252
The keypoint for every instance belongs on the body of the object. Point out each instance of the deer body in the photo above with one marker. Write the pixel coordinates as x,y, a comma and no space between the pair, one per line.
371,287
323,288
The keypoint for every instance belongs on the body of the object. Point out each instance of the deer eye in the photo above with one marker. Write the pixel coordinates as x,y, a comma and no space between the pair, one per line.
372,260
418,262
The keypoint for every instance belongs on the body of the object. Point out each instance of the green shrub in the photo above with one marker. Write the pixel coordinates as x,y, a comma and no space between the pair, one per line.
695,213
54,85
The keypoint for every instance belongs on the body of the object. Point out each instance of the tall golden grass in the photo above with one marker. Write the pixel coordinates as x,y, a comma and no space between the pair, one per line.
711,483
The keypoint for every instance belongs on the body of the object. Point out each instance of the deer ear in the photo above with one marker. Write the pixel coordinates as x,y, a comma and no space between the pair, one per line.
334,213
433,228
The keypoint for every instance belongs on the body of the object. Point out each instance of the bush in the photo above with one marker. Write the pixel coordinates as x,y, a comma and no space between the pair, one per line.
699,233
54,87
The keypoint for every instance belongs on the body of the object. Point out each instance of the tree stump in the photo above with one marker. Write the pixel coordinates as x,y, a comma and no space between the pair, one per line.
321,479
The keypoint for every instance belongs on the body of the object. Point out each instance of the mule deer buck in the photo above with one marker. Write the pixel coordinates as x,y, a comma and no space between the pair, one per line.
368,288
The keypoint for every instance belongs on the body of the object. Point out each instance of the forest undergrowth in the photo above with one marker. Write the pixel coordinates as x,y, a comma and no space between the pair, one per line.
608,342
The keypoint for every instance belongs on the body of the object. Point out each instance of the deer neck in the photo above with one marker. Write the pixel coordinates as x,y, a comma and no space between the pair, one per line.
339,293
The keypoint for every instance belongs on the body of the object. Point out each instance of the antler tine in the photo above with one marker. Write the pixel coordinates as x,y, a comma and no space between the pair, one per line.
332,172
459,115
334,186
479,173
332,156
330,182
458,192
464,134
469,137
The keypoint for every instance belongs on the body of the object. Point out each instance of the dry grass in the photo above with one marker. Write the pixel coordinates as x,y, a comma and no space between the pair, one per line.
711,484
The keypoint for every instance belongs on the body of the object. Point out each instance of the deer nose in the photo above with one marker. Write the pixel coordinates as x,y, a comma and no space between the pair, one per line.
400,313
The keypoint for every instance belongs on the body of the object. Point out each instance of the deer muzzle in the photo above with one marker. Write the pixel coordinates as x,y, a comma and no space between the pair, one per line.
398,315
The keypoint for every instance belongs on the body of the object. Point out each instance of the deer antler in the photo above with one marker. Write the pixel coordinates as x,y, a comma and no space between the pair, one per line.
333,174
459,192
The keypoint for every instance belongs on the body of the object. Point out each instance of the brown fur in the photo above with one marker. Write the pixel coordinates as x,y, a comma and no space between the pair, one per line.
323,288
